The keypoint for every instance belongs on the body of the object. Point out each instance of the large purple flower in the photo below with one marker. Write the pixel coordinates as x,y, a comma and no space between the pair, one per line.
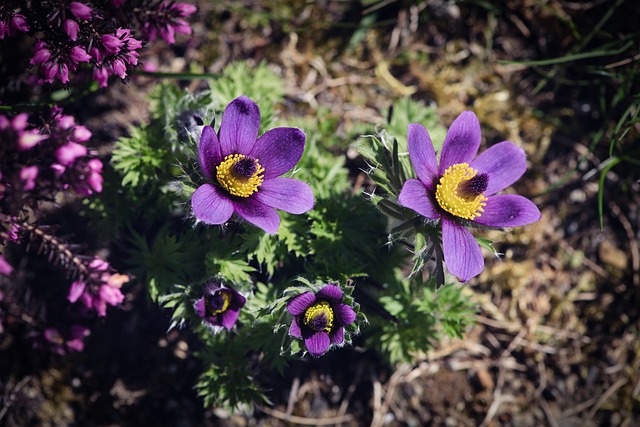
462,189
220,305
320,318
244,170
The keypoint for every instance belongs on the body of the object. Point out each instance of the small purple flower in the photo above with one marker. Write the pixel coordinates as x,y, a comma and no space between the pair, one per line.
71,27
5,268
111,44
320,318
68,153
462,189
220,305
244,173
81,10
28,175
11,26
78,54
70,338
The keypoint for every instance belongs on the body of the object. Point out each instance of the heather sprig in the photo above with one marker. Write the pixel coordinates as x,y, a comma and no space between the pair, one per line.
72,37
44,154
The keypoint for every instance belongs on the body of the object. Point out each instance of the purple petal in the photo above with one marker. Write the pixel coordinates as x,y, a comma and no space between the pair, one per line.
286,194
299,304
210,155
238,301
415,195
344,314
294,329
422,154
258,214
508,210
278,150
229,318
330,293
504,162
462,254
210,205
462,141
337,336
199,308
318,343
240,126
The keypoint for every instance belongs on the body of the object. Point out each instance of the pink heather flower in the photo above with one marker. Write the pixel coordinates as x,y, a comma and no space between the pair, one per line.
58,169
64,121
107,295
19,122
319,318
71,27
243,171
79,54
98,264
111,43
96,54
29,139
17,23
68,153
111,294
63,73
70,338
41,53
101,75
28,176
461,190
81,134
117,3
81,10
76,290
119,68
95,175
220,305
5,267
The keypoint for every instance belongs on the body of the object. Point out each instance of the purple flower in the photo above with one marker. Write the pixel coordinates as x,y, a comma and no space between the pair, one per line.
5,267
81,10
244,173
28,175
68,153
111,44
11,26
70,338
462,189
71,27
220,305
320,318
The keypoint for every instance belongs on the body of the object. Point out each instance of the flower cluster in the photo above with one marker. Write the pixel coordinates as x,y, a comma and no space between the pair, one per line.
243,171
461,190
98,287
168,19
65,339
36,162
11,22
76,35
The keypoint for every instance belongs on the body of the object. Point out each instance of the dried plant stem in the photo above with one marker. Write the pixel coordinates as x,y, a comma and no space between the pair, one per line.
58,250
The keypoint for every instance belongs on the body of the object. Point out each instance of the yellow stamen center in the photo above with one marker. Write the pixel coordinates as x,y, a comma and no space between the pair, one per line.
460,194
240,175
319,317
218,302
